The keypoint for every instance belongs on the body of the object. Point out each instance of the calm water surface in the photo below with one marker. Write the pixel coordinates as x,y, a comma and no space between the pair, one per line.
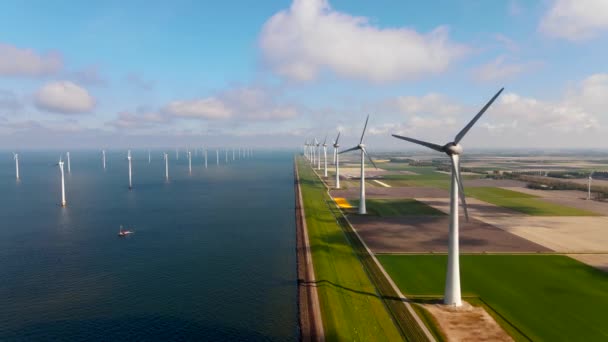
212,257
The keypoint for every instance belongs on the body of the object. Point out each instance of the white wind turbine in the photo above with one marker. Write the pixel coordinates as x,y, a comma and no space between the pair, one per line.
60,163
130,169
312,148
205,158
226,155
176,153
103,158
325,154
149,157
69,166
337,161
453,149
166,156
361,147
318,155
217,156
189,162
588,184
16,157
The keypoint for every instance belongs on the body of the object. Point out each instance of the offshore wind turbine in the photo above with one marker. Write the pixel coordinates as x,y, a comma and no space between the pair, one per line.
149,158
337,161
60,163
176,153
103,158
226,153
69,165
453,149
16,157
361,147
189,162
130,174
166,156
205,158
325,154
217,156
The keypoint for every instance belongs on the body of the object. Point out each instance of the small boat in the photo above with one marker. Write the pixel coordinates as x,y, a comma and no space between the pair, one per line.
123,232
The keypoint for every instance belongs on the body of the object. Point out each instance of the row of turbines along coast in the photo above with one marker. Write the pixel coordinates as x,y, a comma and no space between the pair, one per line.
229,155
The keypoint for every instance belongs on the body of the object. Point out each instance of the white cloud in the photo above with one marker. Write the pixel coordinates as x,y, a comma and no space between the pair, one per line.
64,97
575,19
430,104
247,103
310,36
138,119
26,62
207,108
501,69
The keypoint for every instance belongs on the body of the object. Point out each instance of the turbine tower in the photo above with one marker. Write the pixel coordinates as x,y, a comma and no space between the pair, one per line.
217,156
176,153
226,155
189,162
69,165
62,182
318,155
130,174
453,149
337,161
361,147
312,148
103,158
205,158
166,156
588,183
149,157
16,157
325,154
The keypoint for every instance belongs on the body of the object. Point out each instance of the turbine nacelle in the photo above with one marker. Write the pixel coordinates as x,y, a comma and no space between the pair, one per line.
452,149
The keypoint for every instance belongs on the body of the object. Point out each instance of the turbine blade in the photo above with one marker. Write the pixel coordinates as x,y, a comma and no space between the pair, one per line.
364,127
325,141
350,149
456,171
338,138
420,142
370,158
464,131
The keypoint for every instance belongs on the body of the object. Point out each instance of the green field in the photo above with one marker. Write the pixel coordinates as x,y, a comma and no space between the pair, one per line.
544,297
350,307
525,203
398,207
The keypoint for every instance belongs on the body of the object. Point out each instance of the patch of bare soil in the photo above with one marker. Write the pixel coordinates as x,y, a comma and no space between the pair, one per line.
467,323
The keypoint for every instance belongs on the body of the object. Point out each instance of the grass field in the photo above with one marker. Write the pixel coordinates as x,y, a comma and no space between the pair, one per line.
525,203
350,307
544,297
398,207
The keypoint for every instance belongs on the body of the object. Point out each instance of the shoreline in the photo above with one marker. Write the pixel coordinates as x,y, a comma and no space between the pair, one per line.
309,311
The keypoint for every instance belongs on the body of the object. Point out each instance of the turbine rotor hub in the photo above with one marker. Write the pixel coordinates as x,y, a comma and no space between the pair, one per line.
361,146
452,149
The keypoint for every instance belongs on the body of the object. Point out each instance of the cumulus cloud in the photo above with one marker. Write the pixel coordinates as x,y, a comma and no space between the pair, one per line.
310,36
433,104
247,103
140,118
64,97
26,62
208,108
501,69
575,20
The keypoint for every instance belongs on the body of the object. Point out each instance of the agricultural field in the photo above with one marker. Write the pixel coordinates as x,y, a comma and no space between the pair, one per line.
534,297
398,207
523,202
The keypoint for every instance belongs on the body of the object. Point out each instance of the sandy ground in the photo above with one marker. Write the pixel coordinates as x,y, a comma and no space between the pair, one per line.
429,234
564,234
467,323
599,261
353,172
570,198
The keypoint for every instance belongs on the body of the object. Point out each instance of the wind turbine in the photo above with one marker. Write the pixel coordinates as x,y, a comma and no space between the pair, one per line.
130,178
176,153
149,158
337,161
217,156
60,163
189,162
313,144
318,155
16,157
205,158
226,155
361,147
103,158
588,183
233,158
69,166
325,154
166,156
453,149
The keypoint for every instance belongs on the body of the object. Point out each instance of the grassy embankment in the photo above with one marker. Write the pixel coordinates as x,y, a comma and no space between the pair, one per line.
398,207
350,306
542,297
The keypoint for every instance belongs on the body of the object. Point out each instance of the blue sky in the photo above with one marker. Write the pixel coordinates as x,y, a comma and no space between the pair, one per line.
137,74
